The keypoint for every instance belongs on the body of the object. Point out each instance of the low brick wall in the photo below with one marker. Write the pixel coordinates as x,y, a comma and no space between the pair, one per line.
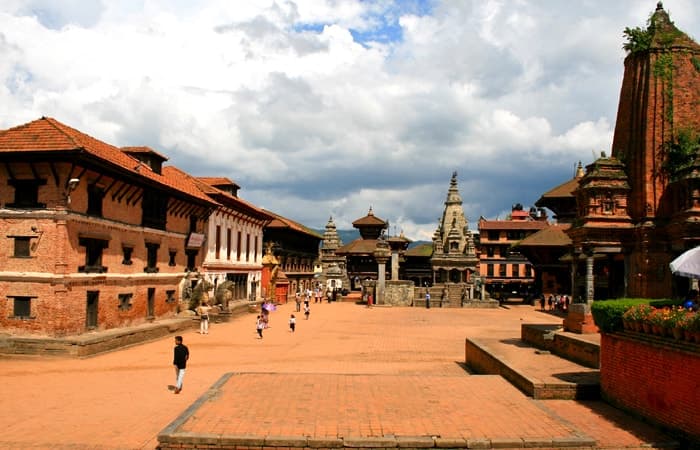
548,338
101,341
654,377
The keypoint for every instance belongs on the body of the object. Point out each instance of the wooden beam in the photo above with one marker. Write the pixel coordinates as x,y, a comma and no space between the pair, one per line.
131,197
54,172
138,197
126,192
109,188
118,191
33,169
10,173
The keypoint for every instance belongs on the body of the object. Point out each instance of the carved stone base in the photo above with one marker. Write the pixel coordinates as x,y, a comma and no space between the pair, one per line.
579,319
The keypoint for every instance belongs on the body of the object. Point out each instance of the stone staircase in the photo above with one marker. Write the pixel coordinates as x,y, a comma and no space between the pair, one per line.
546,363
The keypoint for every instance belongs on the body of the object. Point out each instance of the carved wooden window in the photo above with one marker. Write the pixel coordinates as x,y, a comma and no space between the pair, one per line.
126,252
151,257
170,296
22,307
502,270
26,193
93,255
95,198
125,301
217,248
608,204
191,260
22,246
171,259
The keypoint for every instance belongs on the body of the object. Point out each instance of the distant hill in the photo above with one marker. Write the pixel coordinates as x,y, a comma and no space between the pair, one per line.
347,236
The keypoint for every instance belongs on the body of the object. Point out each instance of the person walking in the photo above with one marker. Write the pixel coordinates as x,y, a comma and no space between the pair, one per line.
292,323
542,302
203,312
427,299
180,356
297,299
259,325
307,310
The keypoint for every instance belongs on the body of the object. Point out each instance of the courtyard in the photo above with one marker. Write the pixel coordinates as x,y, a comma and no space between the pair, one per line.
347,371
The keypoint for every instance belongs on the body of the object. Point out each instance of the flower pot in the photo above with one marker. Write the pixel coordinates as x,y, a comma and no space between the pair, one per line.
677,333
688,336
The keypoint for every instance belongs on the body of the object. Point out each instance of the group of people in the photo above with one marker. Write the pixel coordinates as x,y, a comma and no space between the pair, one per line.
555,302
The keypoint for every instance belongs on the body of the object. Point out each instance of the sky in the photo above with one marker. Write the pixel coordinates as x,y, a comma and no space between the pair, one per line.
325,108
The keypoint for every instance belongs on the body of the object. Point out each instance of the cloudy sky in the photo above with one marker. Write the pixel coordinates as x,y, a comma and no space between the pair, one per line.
323,108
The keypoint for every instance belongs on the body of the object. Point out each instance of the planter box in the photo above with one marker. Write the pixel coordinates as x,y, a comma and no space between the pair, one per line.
654,377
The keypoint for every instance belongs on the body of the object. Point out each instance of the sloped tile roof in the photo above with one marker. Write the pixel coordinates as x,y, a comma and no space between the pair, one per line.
553,236
226,199
369,219
512,224
358,246
283,222
421,250
565,189
219,181
47,135
144,149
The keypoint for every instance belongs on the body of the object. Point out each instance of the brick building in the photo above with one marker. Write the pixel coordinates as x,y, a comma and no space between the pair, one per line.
640,207
296,249
631,213
93,236
232,257
504,269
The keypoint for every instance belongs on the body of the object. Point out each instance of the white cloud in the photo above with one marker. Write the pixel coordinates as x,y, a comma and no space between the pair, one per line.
320,107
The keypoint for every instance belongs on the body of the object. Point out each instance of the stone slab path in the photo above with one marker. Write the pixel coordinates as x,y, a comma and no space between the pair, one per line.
380,357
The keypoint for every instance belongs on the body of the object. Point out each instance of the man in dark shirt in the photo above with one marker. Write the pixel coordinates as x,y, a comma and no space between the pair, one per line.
180,356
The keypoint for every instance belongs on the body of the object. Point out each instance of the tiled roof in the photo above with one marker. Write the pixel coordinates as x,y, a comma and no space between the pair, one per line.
144,149
218,181
512,224
229,200
565,189
369,219
553,236
283,222
422,250
358,246
47,135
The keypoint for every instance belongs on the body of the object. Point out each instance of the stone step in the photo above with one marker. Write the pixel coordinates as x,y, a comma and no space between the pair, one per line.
538,373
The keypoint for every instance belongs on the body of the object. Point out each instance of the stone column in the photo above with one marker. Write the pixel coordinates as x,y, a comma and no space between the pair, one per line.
394,264
589,279
382,253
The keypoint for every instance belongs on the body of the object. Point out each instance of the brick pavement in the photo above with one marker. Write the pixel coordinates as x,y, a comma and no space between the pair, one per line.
120,399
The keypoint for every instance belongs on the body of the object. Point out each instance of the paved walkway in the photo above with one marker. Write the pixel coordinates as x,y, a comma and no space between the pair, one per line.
121,400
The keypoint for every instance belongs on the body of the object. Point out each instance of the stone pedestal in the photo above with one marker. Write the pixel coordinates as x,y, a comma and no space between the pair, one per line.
382,253
579,319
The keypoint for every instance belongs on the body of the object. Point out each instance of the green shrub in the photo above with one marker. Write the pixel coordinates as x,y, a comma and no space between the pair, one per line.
607,314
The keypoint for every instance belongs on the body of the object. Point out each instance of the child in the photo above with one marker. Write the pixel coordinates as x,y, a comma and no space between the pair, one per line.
292,323
307,310
259,325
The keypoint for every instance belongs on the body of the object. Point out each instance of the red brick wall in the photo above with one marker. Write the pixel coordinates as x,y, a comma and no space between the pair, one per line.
50,275
657,381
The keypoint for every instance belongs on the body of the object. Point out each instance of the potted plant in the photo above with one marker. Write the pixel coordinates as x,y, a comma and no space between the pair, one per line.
658,320
637,315
691,329
677,321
